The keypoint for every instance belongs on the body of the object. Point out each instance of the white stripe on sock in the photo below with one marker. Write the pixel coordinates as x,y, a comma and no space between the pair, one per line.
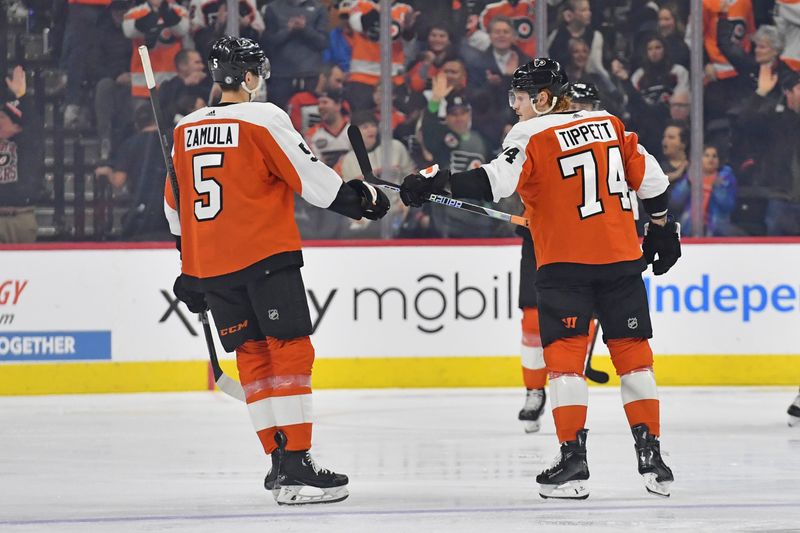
532,357
568,390
638,385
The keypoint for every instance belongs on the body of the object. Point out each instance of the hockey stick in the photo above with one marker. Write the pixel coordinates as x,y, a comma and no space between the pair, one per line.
598,376
357,142
227,385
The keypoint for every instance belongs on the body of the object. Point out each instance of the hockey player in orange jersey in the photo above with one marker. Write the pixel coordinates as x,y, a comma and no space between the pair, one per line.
573,171
239,165
583,96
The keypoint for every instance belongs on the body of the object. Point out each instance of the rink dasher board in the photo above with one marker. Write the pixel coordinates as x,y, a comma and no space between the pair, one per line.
102,319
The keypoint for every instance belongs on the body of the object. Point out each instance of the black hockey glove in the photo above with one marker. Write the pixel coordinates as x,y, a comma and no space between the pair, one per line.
195,301
374,203
664,241
417,187
371,24
168,15
147,23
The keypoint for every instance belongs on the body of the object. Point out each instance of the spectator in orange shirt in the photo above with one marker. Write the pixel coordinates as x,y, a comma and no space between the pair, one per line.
430,61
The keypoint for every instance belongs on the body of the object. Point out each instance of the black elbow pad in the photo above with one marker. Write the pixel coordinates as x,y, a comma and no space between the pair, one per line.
472,184
657,205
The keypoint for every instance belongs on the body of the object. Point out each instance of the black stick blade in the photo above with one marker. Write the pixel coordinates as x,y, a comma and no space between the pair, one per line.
357,142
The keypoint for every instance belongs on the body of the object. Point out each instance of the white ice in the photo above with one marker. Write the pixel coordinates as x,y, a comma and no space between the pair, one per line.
418,460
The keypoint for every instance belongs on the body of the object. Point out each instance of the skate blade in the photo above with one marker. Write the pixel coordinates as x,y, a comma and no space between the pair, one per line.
571,490
794,421
306,494
531,426
654,487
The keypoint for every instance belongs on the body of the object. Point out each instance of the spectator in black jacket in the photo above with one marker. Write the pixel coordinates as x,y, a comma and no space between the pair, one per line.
489,77
138,168
295,37
191,80
768,45
647,117
673,31
112,96
576,23
80,37
21,163
497,64
777,175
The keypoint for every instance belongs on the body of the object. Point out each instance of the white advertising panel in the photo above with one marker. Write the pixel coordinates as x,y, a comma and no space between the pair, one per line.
384,301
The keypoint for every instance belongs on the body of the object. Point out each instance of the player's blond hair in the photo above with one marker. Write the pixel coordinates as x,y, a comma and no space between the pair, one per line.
563,102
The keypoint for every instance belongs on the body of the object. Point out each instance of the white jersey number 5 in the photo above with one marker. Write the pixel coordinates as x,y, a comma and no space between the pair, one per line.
592,205
210,203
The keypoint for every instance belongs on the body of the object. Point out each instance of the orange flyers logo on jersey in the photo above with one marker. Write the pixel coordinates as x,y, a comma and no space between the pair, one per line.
522,15
162,55
573,172
238,168
738,11
365,65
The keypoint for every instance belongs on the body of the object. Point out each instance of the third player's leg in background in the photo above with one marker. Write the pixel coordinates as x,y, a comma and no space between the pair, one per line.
534,373
794,412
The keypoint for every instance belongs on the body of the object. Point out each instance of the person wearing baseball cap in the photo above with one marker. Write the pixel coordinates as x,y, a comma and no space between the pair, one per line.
456,146
21,162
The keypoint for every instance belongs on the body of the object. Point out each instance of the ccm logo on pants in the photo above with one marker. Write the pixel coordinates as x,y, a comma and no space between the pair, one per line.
233,329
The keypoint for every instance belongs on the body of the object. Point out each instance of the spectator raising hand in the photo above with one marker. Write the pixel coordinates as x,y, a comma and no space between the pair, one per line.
767,79
16,82
440,88
22,160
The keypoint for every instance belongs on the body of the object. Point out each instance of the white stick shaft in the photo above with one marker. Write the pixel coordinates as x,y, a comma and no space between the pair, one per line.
148,69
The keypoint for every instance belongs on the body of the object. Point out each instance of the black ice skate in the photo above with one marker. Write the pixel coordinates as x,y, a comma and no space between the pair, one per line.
299,480
532,410
566,477
657,475
272,475
794,412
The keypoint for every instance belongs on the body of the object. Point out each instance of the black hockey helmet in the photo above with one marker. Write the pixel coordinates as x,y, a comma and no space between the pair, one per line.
538,74
583,93
231,57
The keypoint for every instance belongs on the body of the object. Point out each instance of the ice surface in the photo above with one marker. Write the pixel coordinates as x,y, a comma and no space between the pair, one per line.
419,461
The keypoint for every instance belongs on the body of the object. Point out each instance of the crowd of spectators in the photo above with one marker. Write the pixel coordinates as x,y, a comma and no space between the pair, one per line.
452,61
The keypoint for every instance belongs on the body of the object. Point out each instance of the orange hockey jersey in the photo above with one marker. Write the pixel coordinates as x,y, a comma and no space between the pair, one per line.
739,12
522,15
573,172
365,66
239,167
162,54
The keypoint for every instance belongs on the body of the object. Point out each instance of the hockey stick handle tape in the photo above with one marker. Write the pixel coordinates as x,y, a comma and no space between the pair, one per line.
148,69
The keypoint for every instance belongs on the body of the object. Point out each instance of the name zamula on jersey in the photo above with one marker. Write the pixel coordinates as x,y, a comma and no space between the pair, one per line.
211,135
